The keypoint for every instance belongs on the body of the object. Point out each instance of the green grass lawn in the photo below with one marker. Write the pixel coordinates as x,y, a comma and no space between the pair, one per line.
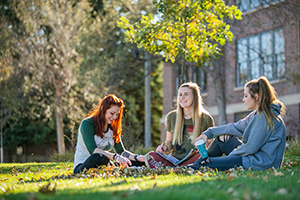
56,181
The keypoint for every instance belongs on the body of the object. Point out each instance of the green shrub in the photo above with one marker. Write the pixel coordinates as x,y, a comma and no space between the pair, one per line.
68,156
142,150
293,148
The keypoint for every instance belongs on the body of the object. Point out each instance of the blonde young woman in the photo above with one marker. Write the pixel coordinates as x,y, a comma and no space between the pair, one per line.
263,132
183,126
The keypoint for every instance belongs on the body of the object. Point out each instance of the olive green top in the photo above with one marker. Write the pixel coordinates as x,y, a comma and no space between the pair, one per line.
180,151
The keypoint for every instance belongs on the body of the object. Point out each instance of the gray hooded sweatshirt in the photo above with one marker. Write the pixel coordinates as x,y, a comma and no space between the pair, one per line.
262,148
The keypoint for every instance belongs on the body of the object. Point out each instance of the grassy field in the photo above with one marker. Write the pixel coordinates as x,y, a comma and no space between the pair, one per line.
56,181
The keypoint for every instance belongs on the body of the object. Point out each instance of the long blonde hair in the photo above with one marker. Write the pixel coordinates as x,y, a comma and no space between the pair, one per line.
197,113
266,96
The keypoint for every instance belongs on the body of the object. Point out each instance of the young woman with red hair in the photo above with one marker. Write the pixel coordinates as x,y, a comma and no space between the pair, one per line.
101,132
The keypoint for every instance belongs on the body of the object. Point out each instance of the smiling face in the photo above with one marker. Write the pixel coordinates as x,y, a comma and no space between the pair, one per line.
112,113
250,102
185,97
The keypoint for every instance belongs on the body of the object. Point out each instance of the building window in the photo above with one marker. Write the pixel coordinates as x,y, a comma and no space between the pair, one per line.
260,54
199,77
241,115
249,5
181,77
191,73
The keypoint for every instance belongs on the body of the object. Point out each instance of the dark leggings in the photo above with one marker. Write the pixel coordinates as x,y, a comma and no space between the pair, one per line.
96,160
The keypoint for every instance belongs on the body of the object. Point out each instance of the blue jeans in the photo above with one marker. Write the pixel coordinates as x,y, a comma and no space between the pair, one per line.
221,163
215,152
217,147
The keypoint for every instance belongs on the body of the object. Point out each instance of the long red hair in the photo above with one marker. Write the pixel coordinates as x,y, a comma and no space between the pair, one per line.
98,114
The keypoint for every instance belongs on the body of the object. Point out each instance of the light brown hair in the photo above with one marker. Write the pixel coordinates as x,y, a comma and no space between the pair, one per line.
266,96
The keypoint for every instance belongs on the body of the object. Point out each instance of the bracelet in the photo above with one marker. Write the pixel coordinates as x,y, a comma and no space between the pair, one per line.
115,156
168,145
135,157
118,157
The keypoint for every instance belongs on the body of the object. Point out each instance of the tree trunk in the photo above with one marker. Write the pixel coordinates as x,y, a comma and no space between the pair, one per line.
219,83
181,75
59,124
147,101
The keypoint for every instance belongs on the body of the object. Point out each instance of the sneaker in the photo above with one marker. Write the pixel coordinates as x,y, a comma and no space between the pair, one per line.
201,161
151,163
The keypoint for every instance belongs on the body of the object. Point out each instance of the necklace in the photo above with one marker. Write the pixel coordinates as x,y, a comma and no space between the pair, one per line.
186,115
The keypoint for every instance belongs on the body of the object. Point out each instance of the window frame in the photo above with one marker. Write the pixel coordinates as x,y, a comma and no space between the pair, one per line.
247,60
202,80
192,73
250,7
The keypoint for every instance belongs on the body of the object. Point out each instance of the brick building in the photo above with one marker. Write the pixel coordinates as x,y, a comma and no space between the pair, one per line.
266,42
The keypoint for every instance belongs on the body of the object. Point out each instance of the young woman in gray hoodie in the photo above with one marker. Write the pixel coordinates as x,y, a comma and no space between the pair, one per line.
263,132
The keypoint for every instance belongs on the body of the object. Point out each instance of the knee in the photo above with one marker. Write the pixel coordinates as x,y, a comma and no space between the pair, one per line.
99,159
77,169
152,153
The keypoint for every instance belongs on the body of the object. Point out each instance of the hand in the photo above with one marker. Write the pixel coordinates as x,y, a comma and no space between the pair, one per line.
123,161
165,147
159,148
201,137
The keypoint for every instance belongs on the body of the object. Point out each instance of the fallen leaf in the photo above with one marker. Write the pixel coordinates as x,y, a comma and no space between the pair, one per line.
239,185
2,189
122,167
155,186
120,182
230,190
282,191
292,174
230,178
279,174
45,189
276,173
124,195
153,177
199,173
135,188
32,196
247,195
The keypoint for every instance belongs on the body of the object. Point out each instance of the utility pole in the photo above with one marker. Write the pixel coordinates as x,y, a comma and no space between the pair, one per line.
147,101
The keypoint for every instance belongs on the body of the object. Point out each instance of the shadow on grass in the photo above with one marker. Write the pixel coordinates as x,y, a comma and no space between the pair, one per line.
235,185
241,187
12,168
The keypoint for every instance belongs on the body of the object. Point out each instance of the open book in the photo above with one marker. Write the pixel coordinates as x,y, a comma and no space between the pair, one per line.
176,161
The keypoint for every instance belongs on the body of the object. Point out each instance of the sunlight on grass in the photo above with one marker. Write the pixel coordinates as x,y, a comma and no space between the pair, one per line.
57,181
